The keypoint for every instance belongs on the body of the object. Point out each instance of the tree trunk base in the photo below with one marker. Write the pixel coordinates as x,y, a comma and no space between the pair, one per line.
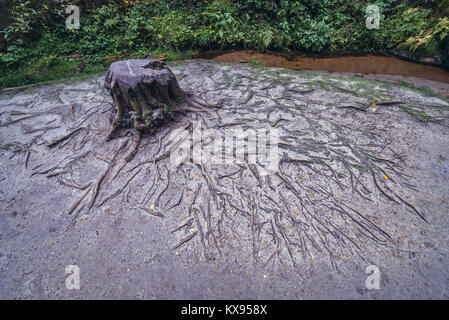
145,92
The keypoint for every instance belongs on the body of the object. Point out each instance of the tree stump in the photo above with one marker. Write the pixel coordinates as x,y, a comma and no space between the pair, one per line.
145,92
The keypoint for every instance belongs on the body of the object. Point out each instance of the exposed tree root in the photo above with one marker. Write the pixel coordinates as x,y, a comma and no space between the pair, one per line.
101,178
315,205
64,138
187,239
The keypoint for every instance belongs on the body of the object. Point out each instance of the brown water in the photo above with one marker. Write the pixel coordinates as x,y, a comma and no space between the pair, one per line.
368,64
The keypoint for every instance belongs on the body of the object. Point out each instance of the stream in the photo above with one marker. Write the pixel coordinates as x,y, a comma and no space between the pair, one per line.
368,64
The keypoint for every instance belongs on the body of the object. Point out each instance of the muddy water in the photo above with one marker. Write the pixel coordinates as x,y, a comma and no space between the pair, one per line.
368,64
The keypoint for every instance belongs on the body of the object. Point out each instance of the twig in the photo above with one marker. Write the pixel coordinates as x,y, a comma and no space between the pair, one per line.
73,207
178,202
64,138
190,237
165,188
195,195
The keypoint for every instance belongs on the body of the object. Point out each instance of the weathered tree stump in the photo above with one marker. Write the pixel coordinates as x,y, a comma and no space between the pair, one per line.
145,93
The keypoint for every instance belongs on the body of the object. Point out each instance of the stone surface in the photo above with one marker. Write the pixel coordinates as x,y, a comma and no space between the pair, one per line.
244,242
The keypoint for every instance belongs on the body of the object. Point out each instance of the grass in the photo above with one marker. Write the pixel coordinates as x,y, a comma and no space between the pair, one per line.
69,80
255,63
58,68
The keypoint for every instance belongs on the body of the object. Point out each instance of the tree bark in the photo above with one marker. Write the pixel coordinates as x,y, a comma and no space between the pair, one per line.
145,92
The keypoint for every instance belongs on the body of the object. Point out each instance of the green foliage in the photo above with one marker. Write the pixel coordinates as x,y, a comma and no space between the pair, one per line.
266,35
22,15
137,27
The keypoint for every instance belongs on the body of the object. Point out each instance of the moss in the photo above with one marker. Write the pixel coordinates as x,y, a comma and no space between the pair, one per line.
424,91
49,69
419,114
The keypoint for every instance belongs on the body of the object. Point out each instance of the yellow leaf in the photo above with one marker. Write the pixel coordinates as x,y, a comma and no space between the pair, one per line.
385,177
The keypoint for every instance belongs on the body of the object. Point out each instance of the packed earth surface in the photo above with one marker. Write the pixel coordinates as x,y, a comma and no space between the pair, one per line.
361,180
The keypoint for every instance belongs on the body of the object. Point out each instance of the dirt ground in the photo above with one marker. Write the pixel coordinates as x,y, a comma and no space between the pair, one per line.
357,184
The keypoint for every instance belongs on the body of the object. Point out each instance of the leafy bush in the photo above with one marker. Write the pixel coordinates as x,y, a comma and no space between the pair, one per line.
137,27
